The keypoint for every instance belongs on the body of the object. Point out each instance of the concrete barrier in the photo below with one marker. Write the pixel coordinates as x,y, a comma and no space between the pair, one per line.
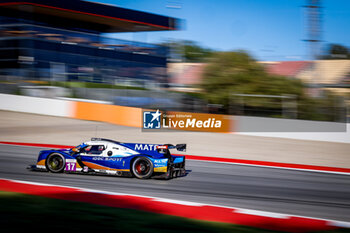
332,136
292,129
130,116
43,106
113,114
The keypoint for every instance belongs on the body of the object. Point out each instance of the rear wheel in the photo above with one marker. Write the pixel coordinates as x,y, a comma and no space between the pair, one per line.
55,163
174,174
142,168
169,173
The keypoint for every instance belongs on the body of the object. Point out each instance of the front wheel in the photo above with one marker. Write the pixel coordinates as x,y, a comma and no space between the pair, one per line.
142,168
55,163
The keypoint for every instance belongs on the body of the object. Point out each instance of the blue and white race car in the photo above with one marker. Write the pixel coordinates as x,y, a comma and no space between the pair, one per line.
115,158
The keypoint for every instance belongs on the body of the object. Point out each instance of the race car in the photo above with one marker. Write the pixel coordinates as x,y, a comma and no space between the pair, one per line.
107,156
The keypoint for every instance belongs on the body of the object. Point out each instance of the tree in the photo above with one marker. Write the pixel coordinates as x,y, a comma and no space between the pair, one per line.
230,74
193,52
188,51
238,73
337,51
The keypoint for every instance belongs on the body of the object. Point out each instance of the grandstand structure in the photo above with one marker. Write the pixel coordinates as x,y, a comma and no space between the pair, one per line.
63,40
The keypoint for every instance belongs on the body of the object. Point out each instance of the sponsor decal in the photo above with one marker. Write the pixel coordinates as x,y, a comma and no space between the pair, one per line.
148,147
160,161
160,169
107,159
160,165
71,165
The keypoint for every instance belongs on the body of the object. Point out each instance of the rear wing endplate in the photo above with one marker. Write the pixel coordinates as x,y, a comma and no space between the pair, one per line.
179,147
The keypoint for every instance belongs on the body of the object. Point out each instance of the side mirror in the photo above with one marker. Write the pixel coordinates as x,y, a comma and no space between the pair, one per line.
76,150
109,153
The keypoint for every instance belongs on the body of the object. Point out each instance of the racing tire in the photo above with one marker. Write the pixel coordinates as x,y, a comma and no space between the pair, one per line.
55,163
174,174
179,173
169,173
142,168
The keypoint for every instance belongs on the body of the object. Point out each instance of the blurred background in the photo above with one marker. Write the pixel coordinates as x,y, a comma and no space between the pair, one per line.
277,58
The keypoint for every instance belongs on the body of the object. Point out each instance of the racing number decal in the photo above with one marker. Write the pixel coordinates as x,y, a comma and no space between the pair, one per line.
70,166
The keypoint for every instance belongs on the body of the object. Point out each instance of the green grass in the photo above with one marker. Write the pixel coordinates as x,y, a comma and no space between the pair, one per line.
34,213
21,211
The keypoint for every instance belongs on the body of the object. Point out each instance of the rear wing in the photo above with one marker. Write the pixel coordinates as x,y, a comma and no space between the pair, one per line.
181,147
178,147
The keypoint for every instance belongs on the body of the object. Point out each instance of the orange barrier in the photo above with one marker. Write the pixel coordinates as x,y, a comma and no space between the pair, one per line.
113,114
129,116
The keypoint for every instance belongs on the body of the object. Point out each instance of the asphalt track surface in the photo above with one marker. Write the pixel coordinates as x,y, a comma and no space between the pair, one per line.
303,193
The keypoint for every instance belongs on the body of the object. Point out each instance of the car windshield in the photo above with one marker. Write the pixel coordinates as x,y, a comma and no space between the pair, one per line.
95,149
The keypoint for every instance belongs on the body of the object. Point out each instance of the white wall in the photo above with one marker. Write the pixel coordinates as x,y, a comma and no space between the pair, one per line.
43,106
342,137
292,129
